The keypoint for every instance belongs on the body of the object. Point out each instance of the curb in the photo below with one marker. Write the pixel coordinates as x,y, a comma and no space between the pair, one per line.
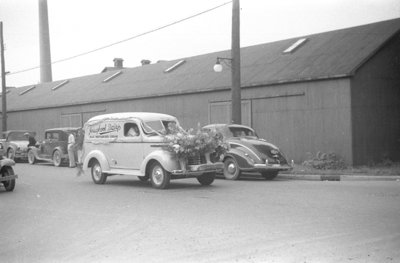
314,177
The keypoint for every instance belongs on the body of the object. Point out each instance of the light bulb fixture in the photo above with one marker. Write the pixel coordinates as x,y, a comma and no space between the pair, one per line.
218,66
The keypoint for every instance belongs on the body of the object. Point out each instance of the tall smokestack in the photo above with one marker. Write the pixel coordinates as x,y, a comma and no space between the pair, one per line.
44,42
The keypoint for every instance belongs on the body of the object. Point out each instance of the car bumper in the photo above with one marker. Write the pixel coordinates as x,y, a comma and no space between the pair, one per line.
8,177
268,167
195,170
21,155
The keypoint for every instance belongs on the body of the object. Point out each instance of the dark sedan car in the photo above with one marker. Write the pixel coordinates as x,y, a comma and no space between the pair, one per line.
53,148
249,153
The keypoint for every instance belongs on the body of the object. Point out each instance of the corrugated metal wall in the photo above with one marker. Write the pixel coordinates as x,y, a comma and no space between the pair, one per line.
305,118
298,118
376,107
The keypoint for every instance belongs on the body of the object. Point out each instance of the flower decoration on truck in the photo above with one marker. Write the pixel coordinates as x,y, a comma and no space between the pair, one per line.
187,144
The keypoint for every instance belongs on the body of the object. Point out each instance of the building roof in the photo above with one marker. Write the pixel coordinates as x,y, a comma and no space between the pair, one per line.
326,55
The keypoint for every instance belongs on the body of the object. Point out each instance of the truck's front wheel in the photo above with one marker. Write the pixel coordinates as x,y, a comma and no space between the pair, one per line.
158,176
207,178
97,173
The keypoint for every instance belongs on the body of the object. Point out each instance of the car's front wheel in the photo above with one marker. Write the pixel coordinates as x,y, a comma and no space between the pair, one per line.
57,158
269,175
10,184
98,176
11,154
159,177
206,178
231,169
31,157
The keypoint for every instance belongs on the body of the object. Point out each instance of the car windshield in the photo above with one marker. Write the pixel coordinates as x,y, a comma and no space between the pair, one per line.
159,127
241,132
17,136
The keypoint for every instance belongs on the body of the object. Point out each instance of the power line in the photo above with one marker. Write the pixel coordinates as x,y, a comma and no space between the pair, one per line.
125,40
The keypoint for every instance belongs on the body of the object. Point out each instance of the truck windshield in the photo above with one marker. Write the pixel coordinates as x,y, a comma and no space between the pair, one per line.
158,127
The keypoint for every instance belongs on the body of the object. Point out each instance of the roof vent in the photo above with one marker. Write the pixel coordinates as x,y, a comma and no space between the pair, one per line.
176,65
295,45
112,76
27,90
60,85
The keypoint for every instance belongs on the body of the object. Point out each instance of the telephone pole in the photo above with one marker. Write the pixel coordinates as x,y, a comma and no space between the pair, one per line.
235,53
3,82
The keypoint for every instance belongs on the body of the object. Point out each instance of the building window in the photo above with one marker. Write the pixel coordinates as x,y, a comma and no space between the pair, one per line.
220,112
71,120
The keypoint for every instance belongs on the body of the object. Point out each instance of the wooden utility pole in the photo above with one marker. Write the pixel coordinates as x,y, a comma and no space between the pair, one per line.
3,82
235,53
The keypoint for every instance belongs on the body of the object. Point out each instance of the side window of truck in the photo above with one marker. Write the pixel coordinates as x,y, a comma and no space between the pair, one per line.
131,130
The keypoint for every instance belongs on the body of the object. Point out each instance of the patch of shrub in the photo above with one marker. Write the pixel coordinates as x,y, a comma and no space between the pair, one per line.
325,161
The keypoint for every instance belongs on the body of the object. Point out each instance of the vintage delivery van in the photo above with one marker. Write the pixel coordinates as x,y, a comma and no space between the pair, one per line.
133,143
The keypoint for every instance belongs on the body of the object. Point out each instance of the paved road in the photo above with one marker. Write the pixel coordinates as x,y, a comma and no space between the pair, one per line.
55,216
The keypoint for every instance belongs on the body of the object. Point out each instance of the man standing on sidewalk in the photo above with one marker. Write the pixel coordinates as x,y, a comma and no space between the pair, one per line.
71,150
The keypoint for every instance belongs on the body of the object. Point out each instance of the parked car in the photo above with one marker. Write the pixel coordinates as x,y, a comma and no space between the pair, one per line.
7,175
53,148
249,153
14,144
110,149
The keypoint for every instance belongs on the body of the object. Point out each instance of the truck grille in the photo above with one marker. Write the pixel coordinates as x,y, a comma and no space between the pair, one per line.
196,160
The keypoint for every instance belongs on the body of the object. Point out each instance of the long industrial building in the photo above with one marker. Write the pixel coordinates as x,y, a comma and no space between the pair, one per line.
336,91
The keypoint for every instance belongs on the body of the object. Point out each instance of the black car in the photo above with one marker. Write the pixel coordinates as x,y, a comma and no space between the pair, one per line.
53,148
249,153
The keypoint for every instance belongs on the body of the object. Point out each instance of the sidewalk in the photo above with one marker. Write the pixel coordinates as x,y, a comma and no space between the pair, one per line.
335,177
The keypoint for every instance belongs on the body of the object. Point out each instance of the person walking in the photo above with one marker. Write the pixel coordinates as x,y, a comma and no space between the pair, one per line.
71,151
79,150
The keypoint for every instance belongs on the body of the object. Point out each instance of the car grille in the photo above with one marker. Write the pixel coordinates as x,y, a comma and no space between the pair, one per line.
196,160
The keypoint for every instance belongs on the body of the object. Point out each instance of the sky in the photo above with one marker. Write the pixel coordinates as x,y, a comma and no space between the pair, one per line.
80,26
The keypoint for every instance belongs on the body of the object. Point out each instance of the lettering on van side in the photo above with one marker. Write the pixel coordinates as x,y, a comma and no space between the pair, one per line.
109,130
